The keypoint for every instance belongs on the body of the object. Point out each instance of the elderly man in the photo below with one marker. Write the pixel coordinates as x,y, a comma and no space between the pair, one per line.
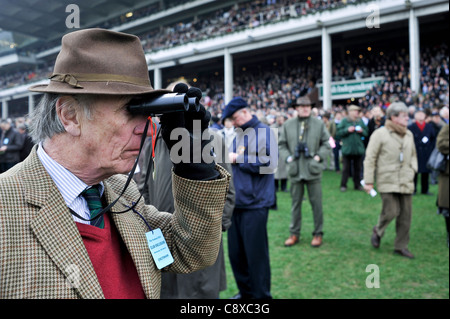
67,227
391,162
304,144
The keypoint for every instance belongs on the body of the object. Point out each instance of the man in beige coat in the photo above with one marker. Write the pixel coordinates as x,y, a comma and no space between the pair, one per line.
51,244
391,161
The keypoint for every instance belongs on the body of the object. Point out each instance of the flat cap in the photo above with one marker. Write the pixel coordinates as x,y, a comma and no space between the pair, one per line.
234,105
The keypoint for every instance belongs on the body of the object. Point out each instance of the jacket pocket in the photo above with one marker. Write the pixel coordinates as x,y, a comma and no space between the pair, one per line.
292,168
314,167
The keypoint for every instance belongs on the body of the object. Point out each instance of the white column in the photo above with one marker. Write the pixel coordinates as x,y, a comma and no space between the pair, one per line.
4,109
228,77
414,51
30,103
157,81
326,69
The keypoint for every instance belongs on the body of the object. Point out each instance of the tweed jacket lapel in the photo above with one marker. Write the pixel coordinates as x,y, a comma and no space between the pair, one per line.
132,230
56,231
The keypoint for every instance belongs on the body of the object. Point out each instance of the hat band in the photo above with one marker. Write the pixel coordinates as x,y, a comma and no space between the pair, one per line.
73,79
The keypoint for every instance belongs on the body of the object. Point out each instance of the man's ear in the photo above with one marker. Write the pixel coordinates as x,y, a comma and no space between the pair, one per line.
67,110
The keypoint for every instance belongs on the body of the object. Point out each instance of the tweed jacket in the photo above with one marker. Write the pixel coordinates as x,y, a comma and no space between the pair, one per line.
42,254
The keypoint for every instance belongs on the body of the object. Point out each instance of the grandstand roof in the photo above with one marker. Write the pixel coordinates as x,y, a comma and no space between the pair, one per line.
46,19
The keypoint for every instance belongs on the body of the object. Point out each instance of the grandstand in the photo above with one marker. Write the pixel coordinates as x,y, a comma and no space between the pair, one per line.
269,51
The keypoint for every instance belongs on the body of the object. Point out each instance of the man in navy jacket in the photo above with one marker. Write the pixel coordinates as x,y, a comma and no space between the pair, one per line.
254,157
425,141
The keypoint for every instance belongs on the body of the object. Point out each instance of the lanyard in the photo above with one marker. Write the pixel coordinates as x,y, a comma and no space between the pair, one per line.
130,176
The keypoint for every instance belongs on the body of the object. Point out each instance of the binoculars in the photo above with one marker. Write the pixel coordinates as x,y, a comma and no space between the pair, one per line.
166,103
301,148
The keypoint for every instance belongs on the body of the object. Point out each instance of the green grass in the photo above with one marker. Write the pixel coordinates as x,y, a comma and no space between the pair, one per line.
337,270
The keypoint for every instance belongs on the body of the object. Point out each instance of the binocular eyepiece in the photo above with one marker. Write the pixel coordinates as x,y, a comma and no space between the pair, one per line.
166,103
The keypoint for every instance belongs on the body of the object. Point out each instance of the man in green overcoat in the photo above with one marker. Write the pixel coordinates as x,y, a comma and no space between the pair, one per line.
351,131
303,145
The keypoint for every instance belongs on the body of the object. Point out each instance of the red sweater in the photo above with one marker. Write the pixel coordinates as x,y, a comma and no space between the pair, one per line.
112,262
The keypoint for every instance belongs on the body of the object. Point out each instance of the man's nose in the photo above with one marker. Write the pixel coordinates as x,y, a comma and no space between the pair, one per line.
140,127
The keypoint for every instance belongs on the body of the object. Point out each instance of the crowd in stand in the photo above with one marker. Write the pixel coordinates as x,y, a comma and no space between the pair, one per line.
248,14
270,91
238,17
275,88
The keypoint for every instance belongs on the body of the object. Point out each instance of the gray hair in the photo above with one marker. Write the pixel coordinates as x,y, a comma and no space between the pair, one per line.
45,122
395,109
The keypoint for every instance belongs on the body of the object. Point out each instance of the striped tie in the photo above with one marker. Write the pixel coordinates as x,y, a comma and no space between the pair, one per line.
92,196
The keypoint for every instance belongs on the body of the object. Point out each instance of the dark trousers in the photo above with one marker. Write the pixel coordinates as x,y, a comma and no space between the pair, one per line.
248,249
351,165
281,183
423,182
336,153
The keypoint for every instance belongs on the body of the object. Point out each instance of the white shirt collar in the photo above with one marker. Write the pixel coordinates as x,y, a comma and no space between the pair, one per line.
67,183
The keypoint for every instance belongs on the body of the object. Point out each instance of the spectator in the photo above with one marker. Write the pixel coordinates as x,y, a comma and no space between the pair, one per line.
337,141
87,141
11,144
358,74
425,141
215,123
304,144
391,162
328,162
444,114
442,145
437,123
411,112
377,120
248,245
228,132
27,141
281,173
350,131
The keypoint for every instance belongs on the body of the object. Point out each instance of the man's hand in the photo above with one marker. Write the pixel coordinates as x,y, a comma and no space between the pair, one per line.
232,157
368,188
196,126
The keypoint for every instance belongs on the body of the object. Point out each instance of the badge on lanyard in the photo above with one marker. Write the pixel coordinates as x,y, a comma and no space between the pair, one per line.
159,249
6,141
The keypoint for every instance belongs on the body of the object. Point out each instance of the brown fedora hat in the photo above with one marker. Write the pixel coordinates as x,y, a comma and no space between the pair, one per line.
303,101
99,61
